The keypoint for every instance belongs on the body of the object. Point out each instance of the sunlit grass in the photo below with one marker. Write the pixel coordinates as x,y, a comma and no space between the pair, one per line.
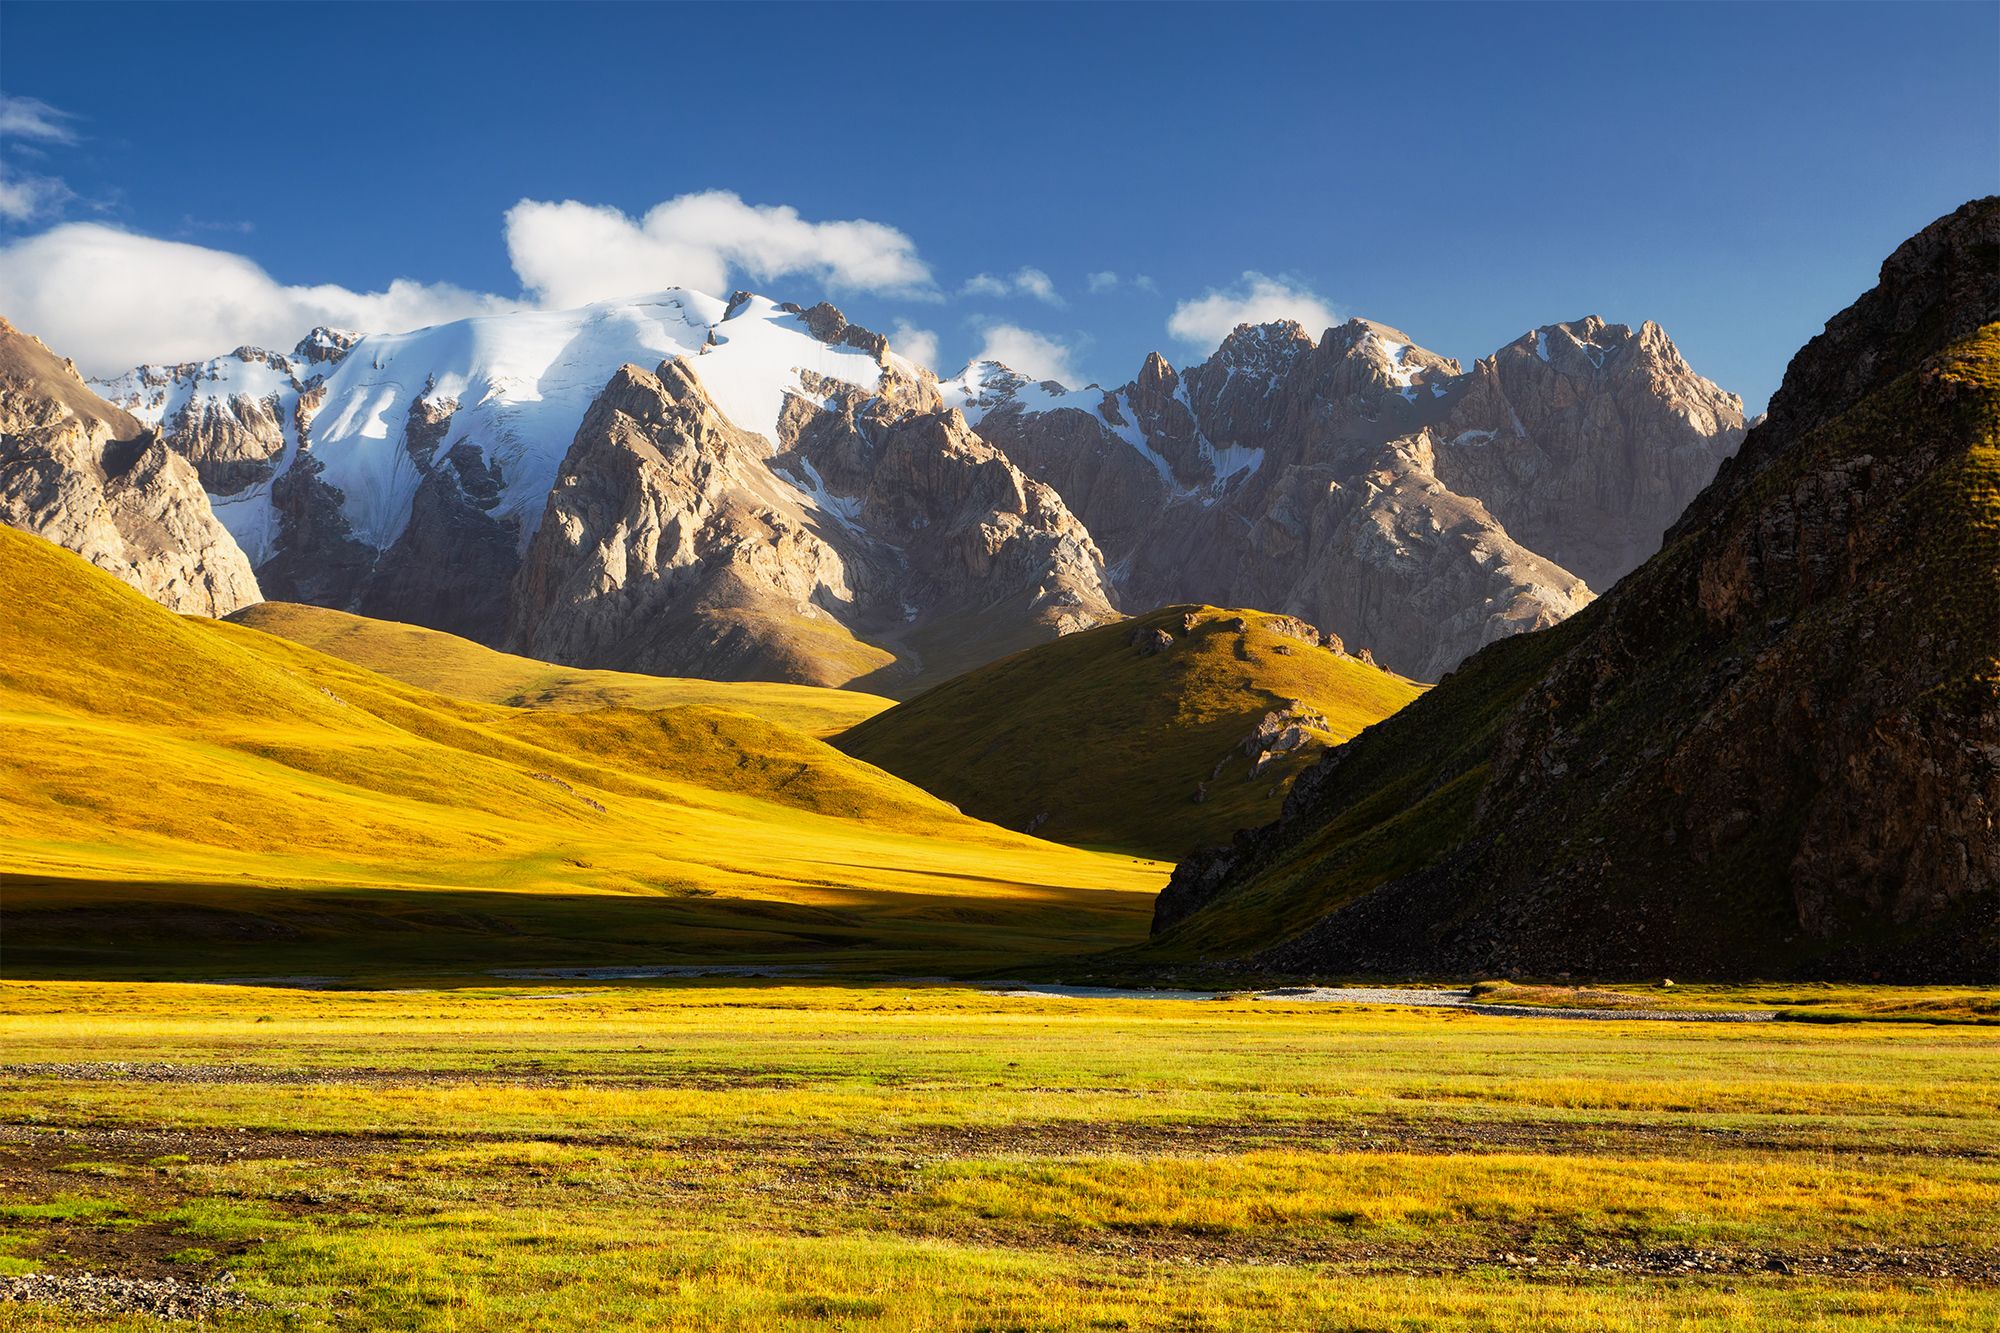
463,669
791,1155
173,780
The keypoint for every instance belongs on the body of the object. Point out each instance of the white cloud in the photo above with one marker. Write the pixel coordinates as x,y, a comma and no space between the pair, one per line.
1144,282
26,198
1102,282
1024,282
920,345
1258,299
32,118
571,253
1037,284
112,299
1035,355
27,123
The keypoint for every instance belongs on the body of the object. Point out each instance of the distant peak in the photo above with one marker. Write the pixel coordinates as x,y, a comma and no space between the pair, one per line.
1156,371
1264,346
1381,332
326,344
825,323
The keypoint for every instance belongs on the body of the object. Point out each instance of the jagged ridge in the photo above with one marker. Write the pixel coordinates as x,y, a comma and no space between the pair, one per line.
1774,749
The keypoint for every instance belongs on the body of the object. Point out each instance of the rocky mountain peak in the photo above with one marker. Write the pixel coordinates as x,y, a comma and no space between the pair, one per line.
1941,284
1393,360
1157,375
825,322
676,542
325,346
87,475
1263,349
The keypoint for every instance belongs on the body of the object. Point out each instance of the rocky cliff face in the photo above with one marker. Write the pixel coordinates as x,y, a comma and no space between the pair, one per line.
1773,749
1358,480
86,475
1615,435
675,542
1368,484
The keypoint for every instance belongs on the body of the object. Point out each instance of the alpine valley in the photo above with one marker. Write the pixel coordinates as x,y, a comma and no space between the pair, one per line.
677,668
1696,709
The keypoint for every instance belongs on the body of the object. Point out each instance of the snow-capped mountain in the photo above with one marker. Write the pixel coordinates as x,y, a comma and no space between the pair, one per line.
406,476
803,502
514,385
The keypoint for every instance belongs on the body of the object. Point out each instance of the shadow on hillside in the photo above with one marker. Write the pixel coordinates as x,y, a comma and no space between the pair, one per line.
54,928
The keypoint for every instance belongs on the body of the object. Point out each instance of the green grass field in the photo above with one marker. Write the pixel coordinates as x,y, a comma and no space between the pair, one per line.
727,1154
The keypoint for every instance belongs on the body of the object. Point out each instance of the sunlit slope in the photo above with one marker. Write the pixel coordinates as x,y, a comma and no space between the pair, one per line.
467,670
1107,737
141,750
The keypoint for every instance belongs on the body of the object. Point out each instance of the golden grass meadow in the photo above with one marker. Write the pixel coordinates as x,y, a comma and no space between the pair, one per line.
427,1114
881,1155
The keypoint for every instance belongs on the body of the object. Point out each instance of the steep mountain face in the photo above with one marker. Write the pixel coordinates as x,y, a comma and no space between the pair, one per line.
818,515
1368,484
1360,482
676,543
82,473
1615,435
1774,749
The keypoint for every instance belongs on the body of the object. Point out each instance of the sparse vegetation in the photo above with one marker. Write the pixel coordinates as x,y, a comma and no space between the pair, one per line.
782,1155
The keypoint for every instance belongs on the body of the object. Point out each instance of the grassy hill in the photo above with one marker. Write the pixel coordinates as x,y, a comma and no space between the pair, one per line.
187,795
467,670
1107,737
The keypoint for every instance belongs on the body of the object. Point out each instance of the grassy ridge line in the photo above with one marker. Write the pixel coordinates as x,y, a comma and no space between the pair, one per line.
143,749
1099,743
463,669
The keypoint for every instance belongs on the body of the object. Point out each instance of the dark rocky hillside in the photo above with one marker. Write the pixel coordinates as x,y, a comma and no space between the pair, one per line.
1774,749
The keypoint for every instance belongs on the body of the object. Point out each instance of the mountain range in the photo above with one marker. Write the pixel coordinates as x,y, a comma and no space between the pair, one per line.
1774,749
747,490
1769,747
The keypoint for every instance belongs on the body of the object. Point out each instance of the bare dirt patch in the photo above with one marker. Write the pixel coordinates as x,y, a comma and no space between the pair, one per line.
265,1075
113,1254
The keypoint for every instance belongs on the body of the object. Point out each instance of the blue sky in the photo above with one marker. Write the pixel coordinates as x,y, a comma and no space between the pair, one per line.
1736,172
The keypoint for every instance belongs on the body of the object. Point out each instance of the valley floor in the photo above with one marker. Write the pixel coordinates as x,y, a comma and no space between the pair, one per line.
768,1154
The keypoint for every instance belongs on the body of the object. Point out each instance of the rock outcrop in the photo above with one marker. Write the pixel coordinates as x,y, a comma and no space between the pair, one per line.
86,475
1368,484
1587,440
676,542
1774,749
